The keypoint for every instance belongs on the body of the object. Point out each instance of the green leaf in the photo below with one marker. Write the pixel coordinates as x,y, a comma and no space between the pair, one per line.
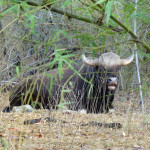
100,1
115,15
60,70
129,10
66,3
18,10
3,143
51,84
64,33
52,63
51,80
62,105
90,7
32,23
91,88
86,38
1,3
108,11
71,67
17,70
103,40
66,91
9,10
143,17
51,41
68,56
149,91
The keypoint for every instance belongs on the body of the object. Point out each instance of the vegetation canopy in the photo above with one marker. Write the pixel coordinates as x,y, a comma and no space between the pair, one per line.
37,36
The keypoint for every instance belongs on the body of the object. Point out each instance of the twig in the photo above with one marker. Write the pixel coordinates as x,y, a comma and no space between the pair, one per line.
137,63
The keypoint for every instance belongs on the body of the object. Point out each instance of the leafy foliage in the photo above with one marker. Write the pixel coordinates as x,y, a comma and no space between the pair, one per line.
52,26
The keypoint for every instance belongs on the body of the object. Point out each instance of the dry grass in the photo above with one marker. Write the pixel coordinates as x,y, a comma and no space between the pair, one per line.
134,135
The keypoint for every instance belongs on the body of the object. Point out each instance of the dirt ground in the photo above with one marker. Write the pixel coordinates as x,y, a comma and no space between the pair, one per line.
73,131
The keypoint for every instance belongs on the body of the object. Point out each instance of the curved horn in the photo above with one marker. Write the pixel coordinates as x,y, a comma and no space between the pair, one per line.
127,61
91,62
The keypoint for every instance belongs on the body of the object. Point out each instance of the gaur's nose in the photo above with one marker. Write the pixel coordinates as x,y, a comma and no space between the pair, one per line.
112,79
112,83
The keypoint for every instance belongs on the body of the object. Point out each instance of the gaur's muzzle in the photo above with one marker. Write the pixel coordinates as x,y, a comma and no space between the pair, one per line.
112,83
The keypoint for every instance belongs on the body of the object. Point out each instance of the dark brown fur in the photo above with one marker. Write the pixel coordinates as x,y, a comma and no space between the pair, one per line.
90,93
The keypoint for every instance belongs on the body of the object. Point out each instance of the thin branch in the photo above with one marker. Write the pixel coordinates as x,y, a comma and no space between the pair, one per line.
137,62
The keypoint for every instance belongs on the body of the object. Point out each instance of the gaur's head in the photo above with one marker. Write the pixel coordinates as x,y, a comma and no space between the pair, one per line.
109,64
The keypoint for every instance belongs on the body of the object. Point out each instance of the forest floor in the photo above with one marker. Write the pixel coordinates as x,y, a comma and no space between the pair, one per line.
73,131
